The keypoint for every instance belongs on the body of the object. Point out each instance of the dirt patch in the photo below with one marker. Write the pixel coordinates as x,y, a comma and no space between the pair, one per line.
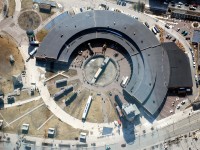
25,95
13,113
49,74
46,15
33,120
37,129
7,48
29,20
1,5
41,35
95,113
71,72
26,4
63,130
11,8
112,113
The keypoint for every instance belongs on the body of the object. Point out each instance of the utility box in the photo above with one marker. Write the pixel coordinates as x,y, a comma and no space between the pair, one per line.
25,128
51,132
82,137
11,99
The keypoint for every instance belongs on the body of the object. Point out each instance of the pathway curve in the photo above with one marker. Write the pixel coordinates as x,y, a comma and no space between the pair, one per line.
65,117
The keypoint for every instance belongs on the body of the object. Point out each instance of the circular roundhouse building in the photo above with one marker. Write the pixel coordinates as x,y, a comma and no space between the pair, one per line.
150,67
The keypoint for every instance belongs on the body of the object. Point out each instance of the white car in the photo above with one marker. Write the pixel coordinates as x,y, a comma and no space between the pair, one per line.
178,107
171,111
180,3
196,77
179,6
194,64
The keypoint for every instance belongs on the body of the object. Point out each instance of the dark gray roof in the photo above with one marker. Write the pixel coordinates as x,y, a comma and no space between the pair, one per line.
180,72
196,36
150,76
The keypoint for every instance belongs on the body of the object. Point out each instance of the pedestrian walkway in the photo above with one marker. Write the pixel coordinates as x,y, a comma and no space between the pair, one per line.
19,103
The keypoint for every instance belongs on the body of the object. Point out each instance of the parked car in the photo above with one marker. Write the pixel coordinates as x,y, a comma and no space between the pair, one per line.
192,8
146,24
123,3
93,144
157,30
187,38
194,64
183,102
167,26
180,3
178,107
186,33
123,145
178,30
174,40
186,4
179,6
183,32
196,77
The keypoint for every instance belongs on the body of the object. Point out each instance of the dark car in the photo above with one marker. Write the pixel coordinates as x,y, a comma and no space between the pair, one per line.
186,33
93,144
123,145
146,24
183,32
187,38
174,40
123,3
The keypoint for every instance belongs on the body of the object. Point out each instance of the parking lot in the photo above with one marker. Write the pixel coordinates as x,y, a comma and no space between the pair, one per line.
172,105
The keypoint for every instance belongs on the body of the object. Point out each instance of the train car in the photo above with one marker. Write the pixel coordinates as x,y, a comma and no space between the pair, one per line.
119,111
32,53
87,107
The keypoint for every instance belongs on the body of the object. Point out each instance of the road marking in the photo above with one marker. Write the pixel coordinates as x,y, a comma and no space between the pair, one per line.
45,122
4,119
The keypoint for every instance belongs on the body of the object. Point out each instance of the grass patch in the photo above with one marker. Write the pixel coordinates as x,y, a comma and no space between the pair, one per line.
13,113
95,113
26,4
41,35
11,8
